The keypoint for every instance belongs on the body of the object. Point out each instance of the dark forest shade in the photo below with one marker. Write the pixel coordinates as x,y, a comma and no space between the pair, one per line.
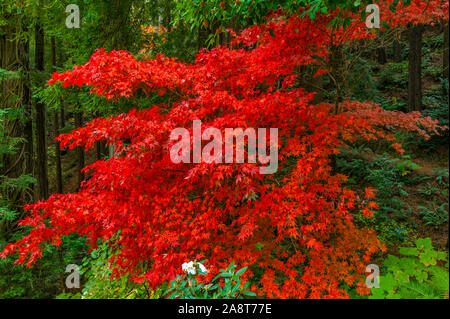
415,68
397,51
445,63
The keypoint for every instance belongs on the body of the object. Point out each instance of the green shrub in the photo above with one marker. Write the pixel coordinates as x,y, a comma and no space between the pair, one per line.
415,275
98,283
434,214
394,75
44,279
226,285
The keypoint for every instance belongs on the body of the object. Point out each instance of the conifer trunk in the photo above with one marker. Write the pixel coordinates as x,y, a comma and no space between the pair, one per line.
58,168
79,150
11,92
445,55
40,111
397,51
415,68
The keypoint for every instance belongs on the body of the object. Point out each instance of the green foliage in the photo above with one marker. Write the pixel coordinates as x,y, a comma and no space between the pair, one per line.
46,278
433,44
391,177
8,75
238,14
391,103
434,214
226,285
404,165
389,230
414,275
245,12
428,190
363,85
387,175
436,103
442,176
178,41
98,281
10,186
105,24
394,75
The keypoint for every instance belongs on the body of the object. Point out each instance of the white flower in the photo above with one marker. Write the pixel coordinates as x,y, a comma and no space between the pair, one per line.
191,267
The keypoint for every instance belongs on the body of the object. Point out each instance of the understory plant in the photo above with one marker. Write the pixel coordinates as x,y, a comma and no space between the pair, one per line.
421,272
226,285
97,281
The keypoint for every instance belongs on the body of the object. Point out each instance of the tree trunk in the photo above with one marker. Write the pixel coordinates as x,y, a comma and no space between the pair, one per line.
11,93
445,62
397,50
41,148
59,183
100,147
24,52
336,74
316,86
381,55
167,17
98,150
60,62
415,68
79,150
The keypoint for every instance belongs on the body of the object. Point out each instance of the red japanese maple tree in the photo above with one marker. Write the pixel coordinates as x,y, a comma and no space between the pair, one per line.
294,227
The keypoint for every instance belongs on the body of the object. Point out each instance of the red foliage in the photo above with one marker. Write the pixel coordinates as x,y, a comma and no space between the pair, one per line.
296,226
425,12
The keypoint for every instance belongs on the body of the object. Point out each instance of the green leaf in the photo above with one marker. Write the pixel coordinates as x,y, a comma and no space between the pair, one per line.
421,276
423,243
385,25
249,293
428,257
401,276
241,271
393,295
387,282
259,246
200,272
391,261
409,251
440,255
377,293
408,265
